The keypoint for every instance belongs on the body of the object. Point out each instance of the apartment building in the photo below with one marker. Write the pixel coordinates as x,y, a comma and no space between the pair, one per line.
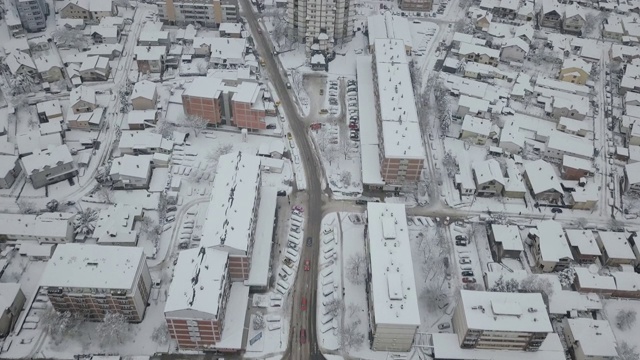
209,13
45,167
94,280
33,14
240,105
401,151
47,228
392,297
88,10
321,24
503,321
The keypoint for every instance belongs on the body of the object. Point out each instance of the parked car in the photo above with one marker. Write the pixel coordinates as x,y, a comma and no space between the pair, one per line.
271,126
303,336
556,210
303,305
309,241
467,273
444,326
288,85
353,126
461,243
469,280
298,208
361,202
461,237
171,208
282,193
307,265
464,261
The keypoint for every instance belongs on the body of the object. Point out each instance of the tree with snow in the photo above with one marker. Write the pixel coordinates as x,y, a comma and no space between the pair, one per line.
222,149
279,32
105,194
26,206
625,319
330,154
70,37
430,296
450,163
52,205
345,178
60,325
538,284
566,277
350,337
627,352
85,221
353,309
258,321
357,268
114,329
502,285
165,128
160,334
196,123
346,145
334,307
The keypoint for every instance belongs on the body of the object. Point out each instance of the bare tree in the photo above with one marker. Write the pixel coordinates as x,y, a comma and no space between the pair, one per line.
26,206
627,352
297,81
450,163
258,321
85,221
70,37
625,319
594,21
502,285
616,225
222,149
113,329
60,325
196,123
350,337
105,194
430,296
160,334
279,32
334,307
164,128
330,154
346,145
356,268
533,283
345,178
353,309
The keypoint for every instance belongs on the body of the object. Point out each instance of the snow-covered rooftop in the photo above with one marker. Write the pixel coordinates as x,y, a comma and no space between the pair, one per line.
466,49
8,294
592,280
393,286
572,144
553,242
261,254
627,280
518,42
7,163
508,236
633,173
388,26
40,160
144,89
594,337
476,125
17,59
131,166
447,347
197,289
230,215
510,312
223,48
370,150
542,177
93,266
151,53
616,245
578,63
487,170
138,117
585,241
44,225
82,93
143,140
115,224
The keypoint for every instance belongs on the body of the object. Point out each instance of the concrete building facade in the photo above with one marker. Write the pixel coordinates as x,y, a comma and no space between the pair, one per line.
33,14
209,13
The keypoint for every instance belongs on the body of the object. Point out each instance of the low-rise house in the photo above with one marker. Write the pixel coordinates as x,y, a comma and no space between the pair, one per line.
488,177
89,10
49,111
87,120
525,32
20,63
632,177
9,170
616,249
82,99
143,142
95,68
51,127
36,252
144,95
464,181
150,59
551,14
49,166
586,281
14,24
141,119
131,172
32,141
627,284
612,28
575,70
232,30
475,128
116,21
574,19
46,228
584,246
561,144
49,67
105,34
153,37
574,168
116,225
514,49
585,196
574,107
479,54
543,182
550,249
12,301
505,241
590,339
634,135
514,186
574,127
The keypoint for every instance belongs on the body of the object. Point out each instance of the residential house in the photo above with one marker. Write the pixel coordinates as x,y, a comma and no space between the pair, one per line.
482,21
585,196
153,37
475,128
116,225
46,167
543,182
141,119
575,70
70,24
584,245
526,12
231,29
87,120
551,14
82,99
525,32
49,67
144,95
569,105
514,49
131,172
9,170
574,127
33,14
95,68
14,24
143,142
550,247
88,10
36,252
590,339
46,228
627,284
21,64
574,19
464,181
586,281
505,240
12,301
514,186
32,140
634,135
150,59
632,177
49,111
560,144
479,54
616,249
613,28
488,177
105,34
574,168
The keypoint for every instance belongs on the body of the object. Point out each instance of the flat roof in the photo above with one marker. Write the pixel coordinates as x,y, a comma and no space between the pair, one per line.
595,337
512,312
447,347
585,241
616,246
571,144
388,26
393,286
553,242
370,150
197,287
508,236
370,161
8,294
115,224
40,160
591,280
261,255
627,280
44,225
144,89
131,166
93,266
229,218
476,125
234,318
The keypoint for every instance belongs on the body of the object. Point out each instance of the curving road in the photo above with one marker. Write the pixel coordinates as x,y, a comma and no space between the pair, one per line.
306,283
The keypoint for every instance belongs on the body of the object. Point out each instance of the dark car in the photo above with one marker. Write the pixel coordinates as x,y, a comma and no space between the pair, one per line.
469,280
461,243
461,237
556,210
282,193
361,202
309,241
467,273
271,126
353,126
